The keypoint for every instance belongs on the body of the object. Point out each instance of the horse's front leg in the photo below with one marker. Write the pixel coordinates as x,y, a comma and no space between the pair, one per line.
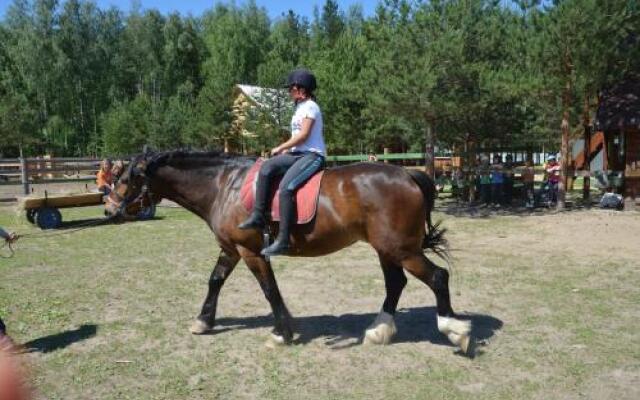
261,269
224,266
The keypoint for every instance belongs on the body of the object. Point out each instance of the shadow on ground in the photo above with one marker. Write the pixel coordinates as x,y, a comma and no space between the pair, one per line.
89,223
83,223
456,208
414,325
48,344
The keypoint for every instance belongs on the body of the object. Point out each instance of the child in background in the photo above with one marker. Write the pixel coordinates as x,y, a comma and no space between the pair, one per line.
508,179
117,170
528,176
485,181
497,180
104,178
552,170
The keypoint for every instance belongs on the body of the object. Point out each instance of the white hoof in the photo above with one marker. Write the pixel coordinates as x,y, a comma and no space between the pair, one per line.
456,330
275,341
199,327
381,331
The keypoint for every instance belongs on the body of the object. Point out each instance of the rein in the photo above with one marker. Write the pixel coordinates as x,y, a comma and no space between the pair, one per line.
12,249
9,245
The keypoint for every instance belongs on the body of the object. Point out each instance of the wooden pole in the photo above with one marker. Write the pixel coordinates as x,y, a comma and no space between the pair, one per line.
470,172
429,159
564,147
24,173
586,186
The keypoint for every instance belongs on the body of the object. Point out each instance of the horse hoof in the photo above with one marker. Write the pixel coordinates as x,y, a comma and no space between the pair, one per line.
381,331
372,337
199,327
275,341
466,345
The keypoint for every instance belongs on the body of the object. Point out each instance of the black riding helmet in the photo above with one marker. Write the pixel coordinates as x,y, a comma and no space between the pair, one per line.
302,78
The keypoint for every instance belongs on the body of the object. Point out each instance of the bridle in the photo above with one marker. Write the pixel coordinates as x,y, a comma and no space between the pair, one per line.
123,202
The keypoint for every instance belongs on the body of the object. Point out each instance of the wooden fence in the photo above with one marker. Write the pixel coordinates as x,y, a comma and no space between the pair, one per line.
28,171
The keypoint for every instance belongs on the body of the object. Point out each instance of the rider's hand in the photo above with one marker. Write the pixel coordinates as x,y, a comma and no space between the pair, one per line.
277,150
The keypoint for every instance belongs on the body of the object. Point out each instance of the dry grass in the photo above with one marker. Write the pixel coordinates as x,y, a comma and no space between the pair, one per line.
554,299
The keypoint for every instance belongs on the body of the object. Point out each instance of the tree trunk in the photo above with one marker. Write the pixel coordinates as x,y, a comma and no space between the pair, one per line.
429,159
470,170
564,149
586,188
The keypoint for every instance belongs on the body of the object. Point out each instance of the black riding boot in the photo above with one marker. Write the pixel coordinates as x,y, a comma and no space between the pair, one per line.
257,218
287,218
255,221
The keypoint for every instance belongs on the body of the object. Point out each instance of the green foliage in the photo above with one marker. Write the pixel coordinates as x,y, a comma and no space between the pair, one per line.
76,79
127,126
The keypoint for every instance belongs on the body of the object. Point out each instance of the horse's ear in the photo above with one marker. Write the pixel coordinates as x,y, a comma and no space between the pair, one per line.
146,150
140,167
138,170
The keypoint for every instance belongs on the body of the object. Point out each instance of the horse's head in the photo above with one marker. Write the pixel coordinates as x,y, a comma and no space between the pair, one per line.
130,188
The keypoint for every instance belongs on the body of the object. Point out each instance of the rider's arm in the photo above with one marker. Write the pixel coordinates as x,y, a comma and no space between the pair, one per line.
301,137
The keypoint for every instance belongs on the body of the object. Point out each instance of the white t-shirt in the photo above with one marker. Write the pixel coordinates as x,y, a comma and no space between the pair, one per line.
315,141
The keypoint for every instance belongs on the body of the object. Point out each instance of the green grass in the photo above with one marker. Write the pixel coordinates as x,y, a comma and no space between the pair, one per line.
568,320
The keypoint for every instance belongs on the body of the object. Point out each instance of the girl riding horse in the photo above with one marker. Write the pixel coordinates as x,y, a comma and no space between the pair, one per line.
297,159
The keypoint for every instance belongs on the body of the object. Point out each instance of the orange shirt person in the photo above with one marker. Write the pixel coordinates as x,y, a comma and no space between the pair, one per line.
104,178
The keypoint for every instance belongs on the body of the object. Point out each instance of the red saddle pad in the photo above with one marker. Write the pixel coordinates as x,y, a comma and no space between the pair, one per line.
306,196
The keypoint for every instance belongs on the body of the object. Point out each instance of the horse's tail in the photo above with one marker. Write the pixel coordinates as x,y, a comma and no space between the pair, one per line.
434,236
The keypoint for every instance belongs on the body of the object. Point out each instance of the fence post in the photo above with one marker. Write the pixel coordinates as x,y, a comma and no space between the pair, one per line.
24,175
386,153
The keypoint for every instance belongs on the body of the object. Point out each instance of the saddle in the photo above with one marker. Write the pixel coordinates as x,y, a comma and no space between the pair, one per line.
306,196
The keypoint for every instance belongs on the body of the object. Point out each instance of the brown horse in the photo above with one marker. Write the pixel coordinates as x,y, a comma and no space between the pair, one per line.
386,206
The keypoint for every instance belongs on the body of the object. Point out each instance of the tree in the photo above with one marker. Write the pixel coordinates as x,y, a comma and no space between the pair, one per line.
287,43
582,48
236,39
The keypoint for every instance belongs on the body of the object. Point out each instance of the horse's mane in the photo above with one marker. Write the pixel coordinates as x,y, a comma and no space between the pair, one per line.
185,159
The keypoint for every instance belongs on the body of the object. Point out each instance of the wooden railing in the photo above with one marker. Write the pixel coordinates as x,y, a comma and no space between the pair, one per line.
26,171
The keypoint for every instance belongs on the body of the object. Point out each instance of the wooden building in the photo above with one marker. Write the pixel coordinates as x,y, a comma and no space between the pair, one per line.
618,118
257,110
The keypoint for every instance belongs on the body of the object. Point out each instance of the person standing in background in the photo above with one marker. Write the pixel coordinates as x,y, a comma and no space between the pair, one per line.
552,172
528,177
508,180
497,180
9,237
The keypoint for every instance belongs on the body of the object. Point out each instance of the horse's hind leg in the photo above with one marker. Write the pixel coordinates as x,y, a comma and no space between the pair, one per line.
224,266
261,269
384,328
438,280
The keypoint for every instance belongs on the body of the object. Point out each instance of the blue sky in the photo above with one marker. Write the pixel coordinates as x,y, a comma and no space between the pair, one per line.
196,7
